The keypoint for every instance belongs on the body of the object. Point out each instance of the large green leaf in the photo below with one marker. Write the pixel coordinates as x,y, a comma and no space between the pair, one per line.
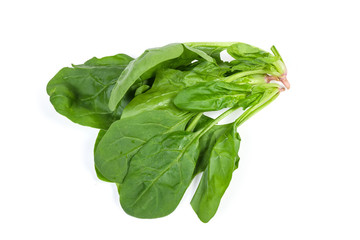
81,93
126,136
159,174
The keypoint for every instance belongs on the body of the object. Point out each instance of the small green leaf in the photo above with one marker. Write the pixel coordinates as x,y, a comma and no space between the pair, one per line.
126,136
221,163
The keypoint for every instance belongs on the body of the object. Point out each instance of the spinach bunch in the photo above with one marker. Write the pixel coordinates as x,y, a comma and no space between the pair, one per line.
154,137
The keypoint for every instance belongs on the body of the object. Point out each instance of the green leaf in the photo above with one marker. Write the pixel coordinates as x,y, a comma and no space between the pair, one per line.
201,54
142,68
82,93
141,89
119,60
98,173
98,138
206,144
145,66
243,50
222,161
165,87
248,64
212,96
159,174
252,58
126,136
203,72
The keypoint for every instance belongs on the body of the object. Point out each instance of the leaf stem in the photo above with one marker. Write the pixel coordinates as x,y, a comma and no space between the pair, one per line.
276,52
242,74
281,67
216,121
266,99
193,123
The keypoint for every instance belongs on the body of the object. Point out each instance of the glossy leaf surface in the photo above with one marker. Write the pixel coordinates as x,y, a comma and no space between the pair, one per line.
126,136
159,174
222,161
81,93
142,68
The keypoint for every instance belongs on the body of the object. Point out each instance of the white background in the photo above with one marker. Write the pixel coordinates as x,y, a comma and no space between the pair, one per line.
299,173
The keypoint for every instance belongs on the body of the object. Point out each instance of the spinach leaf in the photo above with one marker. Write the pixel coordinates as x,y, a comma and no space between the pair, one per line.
250,57
159,174
82,93
247,64
98,173
142,68
141,89
203,71
243,50
212,96
98,138
165,87
145,66
206,144
127,135
222,161
200,53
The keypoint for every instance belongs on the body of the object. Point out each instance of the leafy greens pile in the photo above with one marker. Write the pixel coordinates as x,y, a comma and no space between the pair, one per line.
154,137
